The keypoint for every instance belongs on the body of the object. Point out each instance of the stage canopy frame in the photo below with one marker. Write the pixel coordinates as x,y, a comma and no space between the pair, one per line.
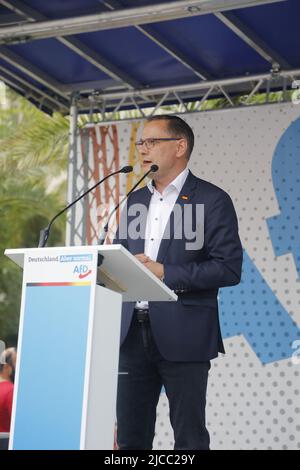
105,56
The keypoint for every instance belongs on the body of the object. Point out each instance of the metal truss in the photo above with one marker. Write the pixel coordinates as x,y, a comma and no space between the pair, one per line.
31,92
74,44
252,39
53,89
75,170
121,90
121,18
236,92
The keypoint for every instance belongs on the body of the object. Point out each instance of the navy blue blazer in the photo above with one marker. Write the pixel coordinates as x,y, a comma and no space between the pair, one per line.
189,329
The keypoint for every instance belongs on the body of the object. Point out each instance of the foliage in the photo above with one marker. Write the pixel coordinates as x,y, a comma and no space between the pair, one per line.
33,153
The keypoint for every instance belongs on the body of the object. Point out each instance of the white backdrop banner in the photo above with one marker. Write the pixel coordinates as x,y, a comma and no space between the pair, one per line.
254,155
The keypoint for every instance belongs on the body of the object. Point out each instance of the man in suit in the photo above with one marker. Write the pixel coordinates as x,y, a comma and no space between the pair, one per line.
171,344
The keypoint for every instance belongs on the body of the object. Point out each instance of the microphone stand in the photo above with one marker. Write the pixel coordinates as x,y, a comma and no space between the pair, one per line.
103,234
44,233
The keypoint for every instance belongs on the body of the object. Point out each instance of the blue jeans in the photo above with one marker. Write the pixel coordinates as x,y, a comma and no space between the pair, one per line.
142,372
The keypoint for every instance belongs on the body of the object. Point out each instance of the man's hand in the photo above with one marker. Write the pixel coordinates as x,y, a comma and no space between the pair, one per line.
156,268
142,257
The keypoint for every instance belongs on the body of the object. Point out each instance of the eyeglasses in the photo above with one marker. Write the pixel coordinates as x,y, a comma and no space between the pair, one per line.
150,143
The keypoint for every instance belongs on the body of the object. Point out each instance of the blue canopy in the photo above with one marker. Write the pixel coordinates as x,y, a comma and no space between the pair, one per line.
186,51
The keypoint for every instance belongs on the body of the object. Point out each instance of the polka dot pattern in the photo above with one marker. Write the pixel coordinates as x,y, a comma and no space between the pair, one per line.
253,391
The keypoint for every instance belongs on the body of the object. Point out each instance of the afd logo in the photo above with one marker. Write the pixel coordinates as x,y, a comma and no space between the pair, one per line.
82,270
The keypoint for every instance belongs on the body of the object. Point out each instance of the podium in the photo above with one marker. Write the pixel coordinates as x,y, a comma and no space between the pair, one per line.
68,347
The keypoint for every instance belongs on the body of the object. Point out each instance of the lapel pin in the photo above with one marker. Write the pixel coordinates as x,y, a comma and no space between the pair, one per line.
185,198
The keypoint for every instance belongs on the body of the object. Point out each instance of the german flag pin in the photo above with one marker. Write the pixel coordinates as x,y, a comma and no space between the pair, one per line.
185,198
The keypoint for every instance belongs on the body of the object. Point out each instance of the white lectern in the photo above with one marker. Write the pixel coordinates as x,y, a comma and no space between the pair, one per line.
67,365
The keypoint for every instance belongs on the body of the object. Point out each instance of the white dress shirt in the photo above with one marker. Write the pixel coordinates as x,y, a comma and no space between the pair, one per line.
159,211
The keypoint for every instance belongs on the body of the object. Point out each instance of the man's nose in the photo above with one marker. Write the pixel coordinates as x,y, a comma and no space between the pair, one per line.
143,149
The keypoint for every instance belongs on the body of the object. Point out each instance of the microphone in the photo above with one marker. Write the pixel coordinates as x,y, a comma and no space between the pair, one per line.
103,233
44,233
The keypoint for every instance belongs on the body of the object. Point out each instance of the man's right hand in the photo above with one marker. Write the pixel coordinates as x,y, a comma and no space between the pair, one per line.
142,258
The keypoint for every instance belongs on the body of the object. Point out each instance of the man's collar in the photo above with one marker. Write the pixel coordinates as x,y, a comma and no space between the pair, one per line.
177,183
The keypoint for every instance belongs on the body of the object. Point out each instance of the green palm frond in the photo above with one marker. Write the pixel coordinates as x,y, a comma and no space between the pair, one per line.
41,141
29,137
